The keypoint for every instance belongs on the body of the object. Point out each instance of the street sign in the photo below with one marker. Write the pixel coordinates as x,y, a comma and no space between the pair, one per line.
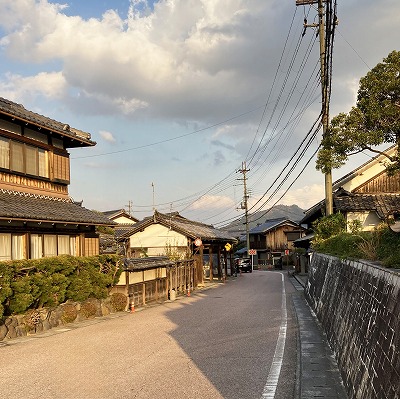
252,252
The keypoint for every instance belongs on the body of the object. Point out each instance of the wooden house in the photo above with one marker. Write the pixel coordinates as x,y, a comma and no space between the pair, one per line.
179,238
272,238
367,194
37,216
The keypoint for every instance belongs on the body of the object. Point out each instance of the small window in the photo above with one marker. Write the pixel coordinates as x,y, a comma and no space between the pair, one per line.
293,235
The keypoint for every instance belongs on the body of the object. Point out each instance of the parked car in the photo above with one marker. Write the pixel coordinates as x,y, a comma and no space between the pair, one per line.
244,265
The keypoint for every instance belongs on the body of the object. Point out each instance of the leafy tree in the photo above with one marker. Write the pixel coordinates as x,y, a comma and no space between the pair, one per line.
375,119
329,226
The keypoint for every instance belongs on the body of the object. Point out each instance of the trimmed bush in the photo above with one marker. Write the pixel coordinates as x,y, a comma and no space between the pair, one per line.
118,301
48,282
69,314
89,309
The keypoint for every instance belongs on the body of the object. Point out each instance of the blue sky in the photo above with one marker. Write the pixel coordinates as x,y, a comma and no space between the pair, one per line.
178,93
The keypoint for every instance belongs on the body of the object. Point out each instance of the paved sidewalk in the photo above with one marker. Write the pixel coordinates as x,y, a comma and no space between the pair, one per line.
319,374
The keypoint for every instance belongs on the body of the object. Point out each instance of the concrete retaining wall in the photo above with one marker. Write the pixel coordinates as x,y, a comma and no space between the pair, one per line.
358,305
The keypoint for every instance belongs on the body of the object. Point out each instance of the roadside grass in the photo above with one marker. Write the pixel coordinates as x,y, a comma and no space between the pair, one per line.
382,245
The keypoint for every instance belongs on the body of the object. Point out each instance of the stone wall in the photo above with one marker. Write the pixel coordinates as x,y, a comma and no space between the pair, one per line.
358,305
40,320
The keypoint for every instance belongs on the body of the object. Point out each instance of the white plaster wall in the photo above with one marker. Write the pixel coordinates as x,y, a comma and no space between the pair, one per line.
123,220
155,238
368,219
364,176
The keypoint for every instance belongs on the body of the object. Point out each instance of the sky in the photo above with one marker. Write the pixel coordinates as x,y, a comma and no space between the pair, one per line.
182,95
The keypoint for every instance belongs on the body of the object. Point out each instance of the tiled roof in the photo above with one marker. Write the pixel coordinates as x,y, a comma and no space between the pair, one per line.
28,207
383,204
119,212
121,229
187,227
270,224
137,264
20,112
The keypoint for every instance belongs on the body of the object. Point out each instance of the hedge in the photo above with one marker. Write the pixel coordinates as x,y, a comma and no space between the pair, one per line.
47,282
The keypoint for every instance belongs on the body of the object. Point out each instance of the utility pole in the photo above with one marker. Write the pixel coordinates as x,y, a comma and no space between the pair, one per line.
325,87
244,204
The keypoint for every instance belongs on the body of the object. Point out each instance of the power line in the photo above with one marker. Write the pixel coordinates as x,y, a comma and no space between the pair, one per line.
172,138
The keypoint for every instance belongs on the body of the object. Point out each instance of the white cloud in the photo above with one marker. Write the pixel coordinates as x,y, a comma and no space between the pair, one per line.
305,197
107,136
160,59
51,85
210,202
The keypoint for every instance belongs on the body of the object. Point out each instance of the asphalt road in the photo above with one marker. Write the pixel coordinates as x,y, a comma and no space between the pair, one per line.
217,343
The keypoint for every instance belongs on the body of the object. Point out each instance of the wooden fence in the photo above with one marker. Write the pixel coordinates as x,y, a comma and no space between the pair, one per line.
158,283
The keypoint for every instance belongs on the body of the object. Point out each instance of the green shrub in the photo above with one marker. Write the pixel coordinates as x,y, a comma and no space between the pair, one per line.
35,283
6,276
381,244
343,245
329,226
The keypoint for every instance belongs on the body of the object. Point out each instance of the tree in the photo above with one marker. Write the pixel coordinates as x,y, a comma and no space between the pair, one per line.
375,119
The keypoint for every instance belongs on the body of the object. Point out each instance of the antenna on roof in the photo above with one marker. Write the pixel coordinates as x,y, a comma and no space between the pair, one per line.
154,207
130,203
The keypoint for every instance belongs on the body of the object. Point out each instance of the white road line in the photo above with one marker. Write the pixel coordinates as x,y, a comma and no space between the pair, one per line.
275,370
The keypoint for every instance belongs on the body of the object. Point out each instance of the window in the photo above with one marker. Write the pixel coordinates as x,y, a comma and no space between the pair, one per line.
5,246
24,158
46,245
72,246
31,159
4,153
43,163
61,167
17,156
50,245
293,235
63,245
18,246
12,246
36,246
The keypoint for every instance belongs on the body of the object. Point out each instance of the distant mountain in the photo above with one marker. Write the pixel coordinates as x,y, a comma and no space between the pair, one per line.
292,212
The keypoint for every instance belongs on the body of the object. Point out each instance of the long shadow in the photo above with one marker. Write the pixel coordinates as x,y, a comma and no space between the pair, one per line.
230,333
